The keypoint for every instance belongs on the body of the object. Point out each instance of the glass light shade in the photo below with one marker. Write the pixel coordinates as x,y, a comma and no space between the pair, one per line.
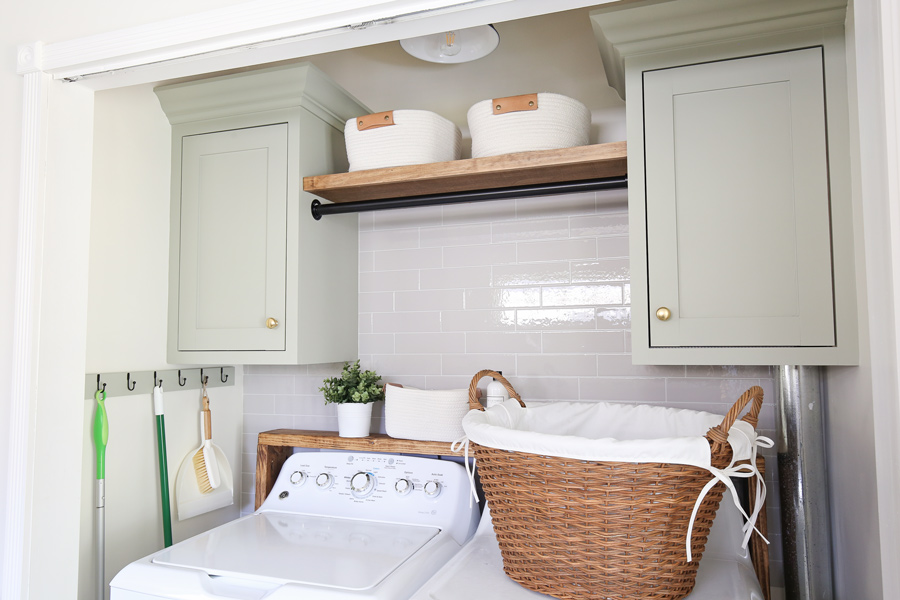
456,46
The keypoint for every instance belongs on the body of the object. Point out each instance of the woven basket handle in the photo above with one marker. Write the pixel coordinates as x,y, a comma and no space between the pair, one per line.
474,404
719,434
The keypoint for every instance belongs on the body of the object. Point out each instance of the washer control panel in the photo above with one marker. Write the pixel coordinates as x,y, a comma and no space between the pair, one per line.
384,487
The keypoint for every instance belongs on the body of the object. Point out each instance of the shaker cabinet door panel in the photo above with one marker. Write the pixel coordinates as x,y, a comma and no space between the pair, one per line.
233,244
737,203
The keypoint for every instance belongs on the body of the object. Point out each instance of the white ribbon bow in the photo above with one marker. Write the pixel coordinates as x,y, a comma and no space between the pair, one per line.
744,471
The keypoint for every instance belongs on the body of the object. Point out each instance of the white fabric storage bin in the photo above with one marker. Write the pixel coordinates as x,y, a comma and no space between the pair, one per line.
400,137
540,121
425,415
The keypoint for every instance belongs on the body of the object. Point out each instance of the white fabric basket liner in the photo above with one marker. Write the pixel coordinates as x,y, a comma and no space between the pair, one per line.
605,432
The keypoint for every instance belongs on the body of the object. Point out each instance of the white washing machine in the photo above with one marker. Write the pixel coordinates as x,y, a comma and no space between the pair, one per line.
336,526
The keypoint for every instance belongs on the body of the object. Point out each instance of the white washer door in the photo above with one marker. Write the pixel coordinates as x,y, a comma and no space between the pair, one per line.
291,548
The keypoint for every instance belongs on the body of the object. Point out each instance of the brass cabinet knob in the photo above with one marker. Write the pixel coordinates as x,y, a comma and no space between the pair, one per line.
271,323
663,313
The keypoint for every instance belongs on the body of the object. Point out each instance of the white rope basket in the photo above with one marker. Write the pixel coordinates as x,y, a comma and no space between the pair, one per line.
552,121
412,137
425,415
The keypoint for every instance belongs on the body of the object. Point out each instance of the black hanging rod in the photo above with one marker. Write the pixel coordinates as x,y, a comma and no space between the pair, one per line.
320,210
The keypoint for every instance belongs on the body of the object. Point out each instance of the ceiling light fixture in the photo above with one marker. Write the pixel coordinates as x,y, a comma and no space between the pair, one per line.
457,46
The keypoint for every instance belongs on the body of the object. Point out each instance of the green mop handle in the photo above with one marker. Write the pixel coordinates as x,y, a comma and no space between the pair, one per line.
101,436
163,464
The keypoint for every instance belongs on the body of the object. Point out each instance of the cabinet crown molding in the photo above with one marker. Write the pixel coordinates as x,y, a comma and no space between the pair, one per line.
274,88
649,26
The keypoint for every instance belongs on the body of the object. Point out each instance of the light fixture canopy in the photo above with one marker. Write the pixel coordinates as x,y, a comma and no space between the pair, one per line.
456,46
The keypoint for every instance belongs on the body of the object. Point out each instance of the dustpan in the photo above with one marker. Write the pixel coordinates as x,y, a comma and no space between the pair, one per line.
189,500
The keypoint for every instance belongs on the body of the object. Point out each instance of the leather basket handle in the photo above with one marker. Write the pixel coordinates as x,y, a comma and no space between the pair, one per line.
375,120
501,106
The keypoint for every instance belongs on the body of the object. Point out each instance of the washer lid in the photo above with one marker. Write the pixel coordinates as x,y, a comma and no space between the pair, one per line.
291,548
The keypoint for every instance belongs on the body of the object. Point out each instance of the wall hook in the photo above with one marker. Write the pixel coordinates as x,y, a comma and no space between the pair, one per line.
131,385
222,376
156,383
180,382
203,378
98,384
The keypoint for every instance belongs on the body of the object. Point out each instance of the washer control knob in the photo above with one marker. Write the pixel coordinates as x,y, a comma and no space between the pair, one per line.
298,477
432,488
403,487
324,480
362,483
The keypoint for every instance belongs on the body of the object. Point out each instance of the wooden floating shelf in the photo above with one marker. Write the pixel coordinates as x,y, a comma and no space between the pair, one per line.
274,447
599,161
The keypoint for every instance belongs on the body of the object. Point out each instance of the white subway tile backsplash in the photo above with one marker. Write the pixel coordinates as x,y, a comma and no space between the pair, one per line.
503,297
366,262
370,302
581,295
478,212
593,342
558,250
610,247
406,364
612,317
260,404
600,225
406,322
381,240
544,389
388,282
618,365
429,300
534,229
457,235
472,256
404,260
614,389
269,384
479,320
604,269
376,343
470,363
556,206
455,278
556,318
493,341
550,365
430,343
531,274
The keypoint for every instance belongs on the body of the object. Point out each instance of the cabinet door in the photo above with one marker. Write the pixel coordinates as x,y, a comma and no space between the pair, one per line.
232,256
737,203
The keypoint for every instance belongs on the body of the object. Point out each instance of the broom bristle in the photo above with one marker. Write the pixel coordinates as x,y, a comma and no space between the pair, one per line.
200,472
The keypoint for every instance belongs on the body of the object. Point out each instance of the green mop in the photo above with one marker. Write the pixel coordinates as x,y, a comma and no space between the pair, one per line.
101,435
163,462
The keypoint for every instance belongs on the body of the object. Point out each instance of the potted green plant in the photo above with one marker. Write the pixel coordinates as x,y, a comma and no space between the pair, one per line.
354,391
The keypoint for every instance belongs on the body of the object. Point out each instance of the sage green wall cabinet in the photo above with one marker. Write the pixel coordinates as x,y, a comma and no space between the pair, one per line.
254,279
738,166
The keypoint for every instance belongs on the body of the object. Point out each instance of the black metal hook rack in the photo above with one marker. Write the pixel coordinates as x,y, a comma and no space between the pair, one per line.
320,210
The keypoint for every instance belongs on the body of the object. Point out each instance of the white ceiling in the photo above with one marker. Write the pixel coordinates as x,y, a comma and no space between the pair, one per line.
551,53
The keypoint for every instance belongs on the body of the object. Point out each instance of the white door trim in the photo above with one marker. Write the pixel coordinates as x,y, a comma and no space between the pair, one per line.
245,34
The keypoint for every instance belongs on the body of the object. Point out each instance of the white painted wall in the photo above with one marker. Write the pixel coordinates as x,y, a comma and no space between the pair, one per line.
126,331
863,410
53,20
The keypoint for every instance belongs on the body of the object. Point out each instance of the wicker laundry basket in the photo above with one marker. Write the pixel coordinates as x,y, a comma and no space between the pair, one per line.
578,529
400,137
541,121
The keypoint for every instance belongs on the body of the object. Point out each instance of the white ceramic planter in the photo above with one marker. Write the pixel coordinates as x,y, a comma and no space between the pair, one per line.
354,419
